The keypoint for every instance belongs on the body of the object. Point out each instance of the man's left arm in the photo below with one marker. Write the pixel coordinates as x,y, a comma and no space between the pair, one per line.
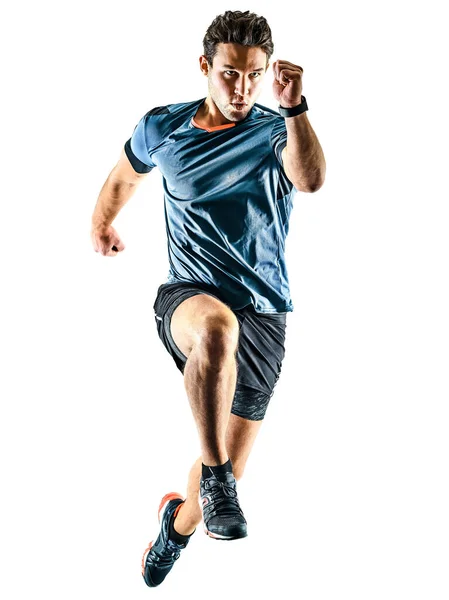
303,159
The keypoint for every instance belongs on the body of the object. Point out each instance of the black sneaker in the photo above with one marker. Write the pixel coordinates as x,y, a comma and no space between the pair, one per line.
223,518
160,556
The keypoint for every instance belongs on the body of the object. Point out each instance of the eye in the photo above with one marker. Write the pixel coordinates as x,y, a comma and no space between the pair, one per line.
255,75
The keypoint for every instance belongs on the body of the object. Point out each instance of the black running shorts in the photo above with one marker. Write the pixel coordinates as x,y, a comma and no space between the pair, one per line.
260,349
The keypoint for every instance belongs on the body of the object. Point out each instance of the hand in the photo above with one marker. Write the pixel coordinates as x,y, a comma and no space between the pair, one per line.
287,84
106,240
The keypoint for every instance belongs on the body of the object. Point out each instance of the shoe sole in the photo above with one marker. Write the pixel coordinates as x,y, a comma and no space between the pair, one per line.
162,506
217,536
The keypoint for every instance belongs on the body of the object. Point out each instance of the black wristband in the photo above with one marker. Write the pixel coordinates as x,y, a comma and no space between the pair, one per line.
294,110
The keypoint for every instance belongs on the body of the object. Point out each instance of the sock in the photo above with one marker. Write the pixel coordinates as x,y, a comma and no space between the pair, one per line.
217,469
175,536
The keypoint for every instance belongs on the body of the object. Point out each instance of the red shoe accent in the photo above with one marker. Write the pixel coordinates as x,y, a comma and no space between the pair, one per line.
145,556
210,534
167,498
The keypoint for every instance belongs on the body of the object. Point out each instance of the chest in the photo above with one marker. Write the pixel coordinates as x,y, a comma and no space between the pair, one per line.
208,165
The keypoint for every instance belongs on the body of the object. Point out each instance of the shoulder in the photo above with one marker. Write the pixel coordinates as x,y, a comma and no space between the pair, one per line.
169,112
267,114
160,121
270,118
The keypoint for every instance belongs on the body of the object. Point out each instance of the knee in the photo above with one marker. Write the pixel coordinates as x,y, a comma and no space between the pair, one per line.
219,337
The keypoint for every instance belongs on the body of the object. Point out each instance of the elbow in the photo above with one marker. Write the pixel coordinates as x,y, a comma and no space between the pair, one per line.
315,186
311,187
313,183
316,182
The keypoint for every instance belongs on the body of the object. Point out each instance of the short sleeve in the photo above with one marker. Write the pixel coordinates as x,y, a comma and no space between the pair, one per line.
279,137
136,147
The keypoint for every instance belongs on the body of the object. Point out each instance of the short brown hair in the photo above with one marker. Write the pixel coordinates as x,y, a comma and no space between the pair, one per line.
236,27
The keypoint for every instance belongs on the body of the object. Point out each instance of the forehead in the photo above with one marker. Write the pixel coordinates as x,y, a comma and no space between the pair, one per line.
240,57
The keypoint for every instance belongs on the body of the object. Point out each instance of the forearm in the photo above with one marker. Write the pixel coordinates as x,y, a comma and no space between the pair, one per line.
304,159
113,196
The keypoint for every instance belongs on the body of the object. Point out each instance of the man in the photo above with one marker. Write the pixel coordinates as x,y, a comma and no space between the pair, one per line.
230,169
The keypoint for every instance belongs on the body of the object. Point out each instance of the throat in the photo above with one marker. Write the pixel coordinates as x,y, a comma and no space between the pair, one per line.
210,120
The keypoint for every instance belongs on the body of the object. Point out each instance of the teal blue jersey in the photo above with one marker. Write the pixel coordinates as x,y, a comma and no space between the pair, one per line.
227,200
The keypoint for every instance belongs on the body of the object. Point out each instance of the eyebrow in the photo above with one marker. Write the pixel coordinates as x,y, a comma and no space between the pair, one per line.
253,70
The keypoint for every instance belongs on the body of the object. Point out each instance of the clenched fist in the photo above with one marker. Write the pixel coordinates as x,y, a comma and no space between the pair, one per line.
106,240
287,83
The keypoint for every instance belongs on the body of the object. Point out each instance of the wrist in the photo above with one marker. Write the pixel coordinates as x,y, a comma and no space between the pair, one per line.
99,223
292,111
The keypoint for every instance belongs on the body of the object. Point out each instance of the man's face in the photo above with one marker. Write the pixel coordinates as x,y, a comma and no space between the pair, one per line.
235,79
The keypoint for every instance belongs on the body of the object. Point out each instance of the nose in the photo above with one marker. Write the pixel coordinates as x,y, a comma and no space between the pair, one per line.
241,87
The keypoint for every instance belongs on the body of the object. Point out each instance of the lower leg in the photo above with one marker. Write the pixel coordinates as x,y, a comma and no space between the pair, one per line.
210,376
190,513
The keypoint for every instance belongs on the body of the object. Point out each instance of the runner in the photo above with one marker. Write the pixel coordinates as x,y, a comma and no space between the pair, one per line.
230,169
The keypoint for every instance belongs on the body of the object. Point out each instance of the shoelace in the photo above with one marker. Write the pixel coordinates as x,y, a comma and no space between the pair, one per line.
224,498
167,555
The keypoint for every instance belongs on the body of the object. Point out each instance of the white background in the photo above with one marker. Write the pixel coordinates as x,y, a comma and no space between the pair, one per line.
346,489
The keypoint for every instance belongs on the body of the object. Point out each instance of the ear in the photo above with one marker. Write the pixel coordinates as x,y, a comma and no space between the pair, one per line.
204,65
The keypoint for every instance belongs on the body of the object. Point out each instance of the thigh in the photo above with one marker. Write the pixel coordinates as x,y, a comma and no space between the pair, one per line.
260,354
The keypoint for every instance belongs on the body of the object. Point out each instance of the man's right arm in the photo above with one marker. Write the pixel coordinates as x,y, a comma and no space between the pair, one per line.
116,191
133,165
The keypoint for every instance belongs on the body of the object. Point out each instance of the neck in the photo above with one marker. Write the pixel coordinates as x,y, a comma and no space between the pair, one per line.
208,114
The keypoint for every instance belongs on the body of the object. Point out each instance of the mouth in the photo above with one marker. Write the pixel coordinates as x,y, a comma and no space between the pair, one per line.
239,105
